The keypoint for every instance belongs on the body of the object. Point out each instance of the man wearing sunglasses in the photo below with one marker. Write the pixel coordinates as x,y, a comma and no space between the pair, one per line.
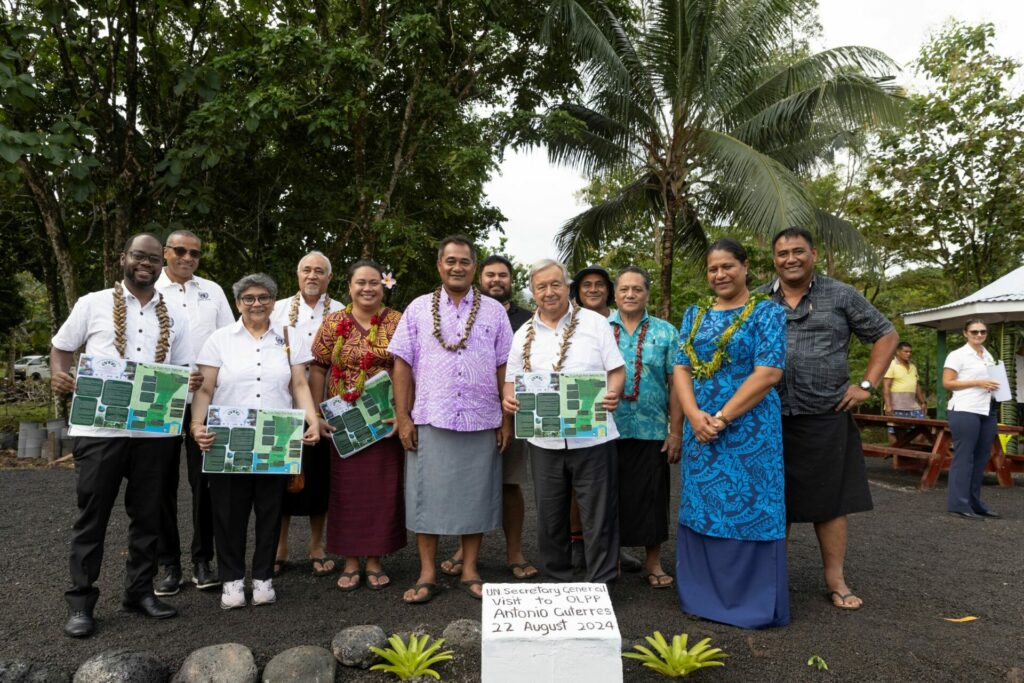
203,302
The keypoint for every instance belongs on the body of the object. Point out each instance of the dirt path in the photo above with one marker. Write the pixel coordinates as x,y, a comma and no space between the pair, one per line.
912,563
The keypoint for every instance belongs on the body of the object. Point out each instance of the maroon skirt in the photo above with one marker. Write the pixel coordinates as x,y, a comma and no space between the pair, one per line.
366,512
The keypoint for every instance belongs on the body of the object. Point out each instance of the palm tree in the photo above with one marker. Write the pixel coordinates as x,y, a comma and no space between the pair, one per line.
710,118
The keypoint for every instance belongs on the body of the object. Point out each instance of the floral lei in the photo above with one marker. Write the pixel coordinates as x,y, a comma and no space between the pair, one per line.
638,359
435,310
563,350
343,330
706,369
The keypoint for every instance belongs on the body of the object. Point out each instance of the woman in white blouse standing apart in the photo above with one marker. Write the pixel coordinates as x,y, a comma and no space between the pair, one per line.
249,364
972,421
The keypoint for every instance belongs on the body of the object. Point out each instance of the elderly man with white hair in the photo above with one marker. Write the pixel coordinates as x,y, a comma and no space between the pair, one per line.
564,337
304,312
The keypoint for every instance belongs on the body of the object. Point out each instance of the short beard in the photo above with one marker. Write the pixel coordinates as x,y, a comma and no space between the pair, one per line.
129,277
505,295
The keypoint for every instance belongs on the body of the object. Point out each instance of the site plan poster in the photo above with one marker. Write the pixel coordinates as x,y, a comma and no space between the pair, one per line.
254,441
561,405
360,424
115,393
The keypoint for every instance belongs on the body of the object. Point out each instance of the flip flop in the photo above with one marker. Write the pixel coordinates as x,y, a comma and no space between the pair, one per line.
842,597
378,576
657,580
524,567
431,589
314,561
467,586
454,568
352,586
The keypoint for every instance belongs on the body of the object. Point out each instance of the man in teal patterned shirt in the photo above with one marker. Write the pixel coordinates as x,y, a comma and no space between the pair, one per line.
649,419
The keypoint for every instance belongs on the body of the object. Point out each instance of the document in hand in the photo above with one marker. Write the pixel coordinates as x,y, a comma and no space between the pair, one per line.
361,423
115,393
998,373
254,441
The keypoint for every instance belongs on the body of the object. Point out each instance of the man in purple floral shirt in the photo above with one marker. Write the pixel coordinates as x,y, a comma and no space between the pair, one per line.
450,350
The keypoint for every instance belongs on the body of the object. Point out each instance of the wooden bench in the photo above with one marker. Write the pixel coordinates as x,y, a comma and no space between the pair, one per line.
937,454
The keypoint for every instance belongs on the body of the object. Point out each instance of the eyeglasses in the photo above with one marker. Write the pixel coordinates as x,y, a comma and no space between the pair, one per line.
978,333
181,251
154,259
250,299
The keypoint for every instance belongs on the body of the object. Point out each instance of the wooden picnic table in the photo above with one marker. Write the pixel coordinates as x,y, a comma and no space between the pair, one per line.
935,455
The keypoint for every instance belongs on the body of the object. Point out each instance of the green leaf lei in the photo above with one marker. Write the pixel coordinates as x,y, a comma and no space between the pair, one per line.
706,369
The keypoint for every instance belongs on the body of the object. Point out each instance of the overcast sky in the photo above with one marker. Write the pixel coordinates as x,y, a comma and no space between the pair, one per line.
537,197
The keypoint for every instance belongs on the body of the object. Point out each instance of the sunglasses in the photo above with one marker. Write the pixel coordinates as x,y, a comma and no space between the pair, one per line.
181,251
978,333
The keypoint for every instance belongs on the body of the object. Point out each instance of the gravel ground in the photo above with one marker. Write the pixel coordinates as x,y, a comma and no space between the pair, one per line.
913,564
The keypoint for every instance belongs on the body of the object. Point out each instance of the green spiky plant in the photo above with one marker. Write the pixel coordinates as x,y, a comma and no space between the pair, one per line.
412,660
676,660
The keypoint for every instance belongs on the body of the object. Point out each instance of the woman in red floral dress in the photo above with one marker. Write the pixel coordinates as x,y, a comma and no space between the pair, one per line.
366,513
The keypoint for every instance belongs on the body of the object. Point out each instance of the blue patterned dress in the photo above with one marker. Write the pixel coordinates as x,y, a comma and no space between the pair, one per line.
731,554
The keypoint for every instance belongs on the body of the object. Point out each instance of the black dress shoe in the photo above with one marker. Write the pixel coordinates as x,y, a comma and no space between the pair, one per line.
628,562
80,625
170,584
969,515
990,513
203,577
151,607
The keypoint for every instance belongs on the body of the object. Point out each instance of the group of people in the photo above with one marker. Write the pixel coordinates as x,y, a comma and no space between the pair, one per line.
750,395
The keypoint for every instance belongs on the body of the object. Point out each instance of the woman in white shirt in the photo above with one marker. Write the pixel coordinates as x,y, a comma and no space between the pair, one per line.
249,364
972,421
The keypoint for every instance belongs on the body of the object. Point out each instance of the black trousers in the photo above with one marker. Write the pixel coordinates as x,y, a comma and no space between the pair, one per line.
234,496
592,473
202,512
100,465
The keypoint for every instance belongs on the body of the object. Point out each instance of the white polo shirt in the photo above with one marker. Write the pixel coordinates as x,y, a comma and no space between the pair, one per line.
91,323
202,300
968,366
592,349
253,372
308,321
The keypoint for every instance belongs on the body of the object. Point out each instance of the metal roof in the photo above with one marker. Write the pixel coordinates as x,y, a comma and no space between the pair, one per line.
999,301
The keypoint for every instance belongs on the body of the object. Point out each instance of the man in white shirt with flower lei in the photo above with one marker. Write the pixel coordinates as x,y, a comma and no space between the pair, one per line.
304,312
569,338
131,321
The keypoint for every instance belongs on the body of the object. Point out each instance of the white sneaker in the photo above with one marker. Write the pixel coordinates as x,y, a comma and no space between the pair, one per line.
232,595
263,592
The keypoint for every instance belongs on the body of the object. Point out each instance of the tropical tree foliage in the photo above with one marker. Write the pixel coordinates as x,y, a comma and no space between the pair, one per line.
944,188
268,127
711,116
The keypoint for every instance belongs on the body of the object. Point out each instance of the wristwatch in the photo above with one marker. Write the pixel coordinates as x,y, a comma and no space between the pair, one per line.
866,385
721,416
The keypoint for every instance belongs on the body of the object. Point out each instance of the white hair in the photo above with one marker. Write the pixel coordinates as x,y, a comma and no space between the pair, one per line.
545,263
315,253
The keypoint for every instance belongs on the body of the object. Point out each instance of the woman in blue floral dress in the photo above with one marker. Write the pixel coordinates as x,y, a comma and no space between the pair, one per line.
731,547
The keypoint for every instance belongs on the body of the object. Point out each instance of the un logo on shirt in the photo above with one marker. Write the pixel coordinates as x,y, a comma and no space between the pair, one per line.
279,340
204,296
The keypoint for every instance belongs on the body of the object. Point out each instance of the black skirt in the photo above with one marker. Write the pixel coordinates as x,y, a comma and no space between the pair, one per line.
311,501
825,473
643,492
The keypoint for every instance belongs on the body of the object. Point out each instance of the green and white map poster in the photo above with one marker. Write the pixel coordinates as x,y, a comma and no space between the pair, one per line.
563,405
252,441
124,394
360,424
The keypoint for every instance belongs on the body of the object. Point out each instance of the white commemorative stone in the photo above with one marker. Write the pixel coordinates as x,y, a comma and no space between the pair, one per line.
542,632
